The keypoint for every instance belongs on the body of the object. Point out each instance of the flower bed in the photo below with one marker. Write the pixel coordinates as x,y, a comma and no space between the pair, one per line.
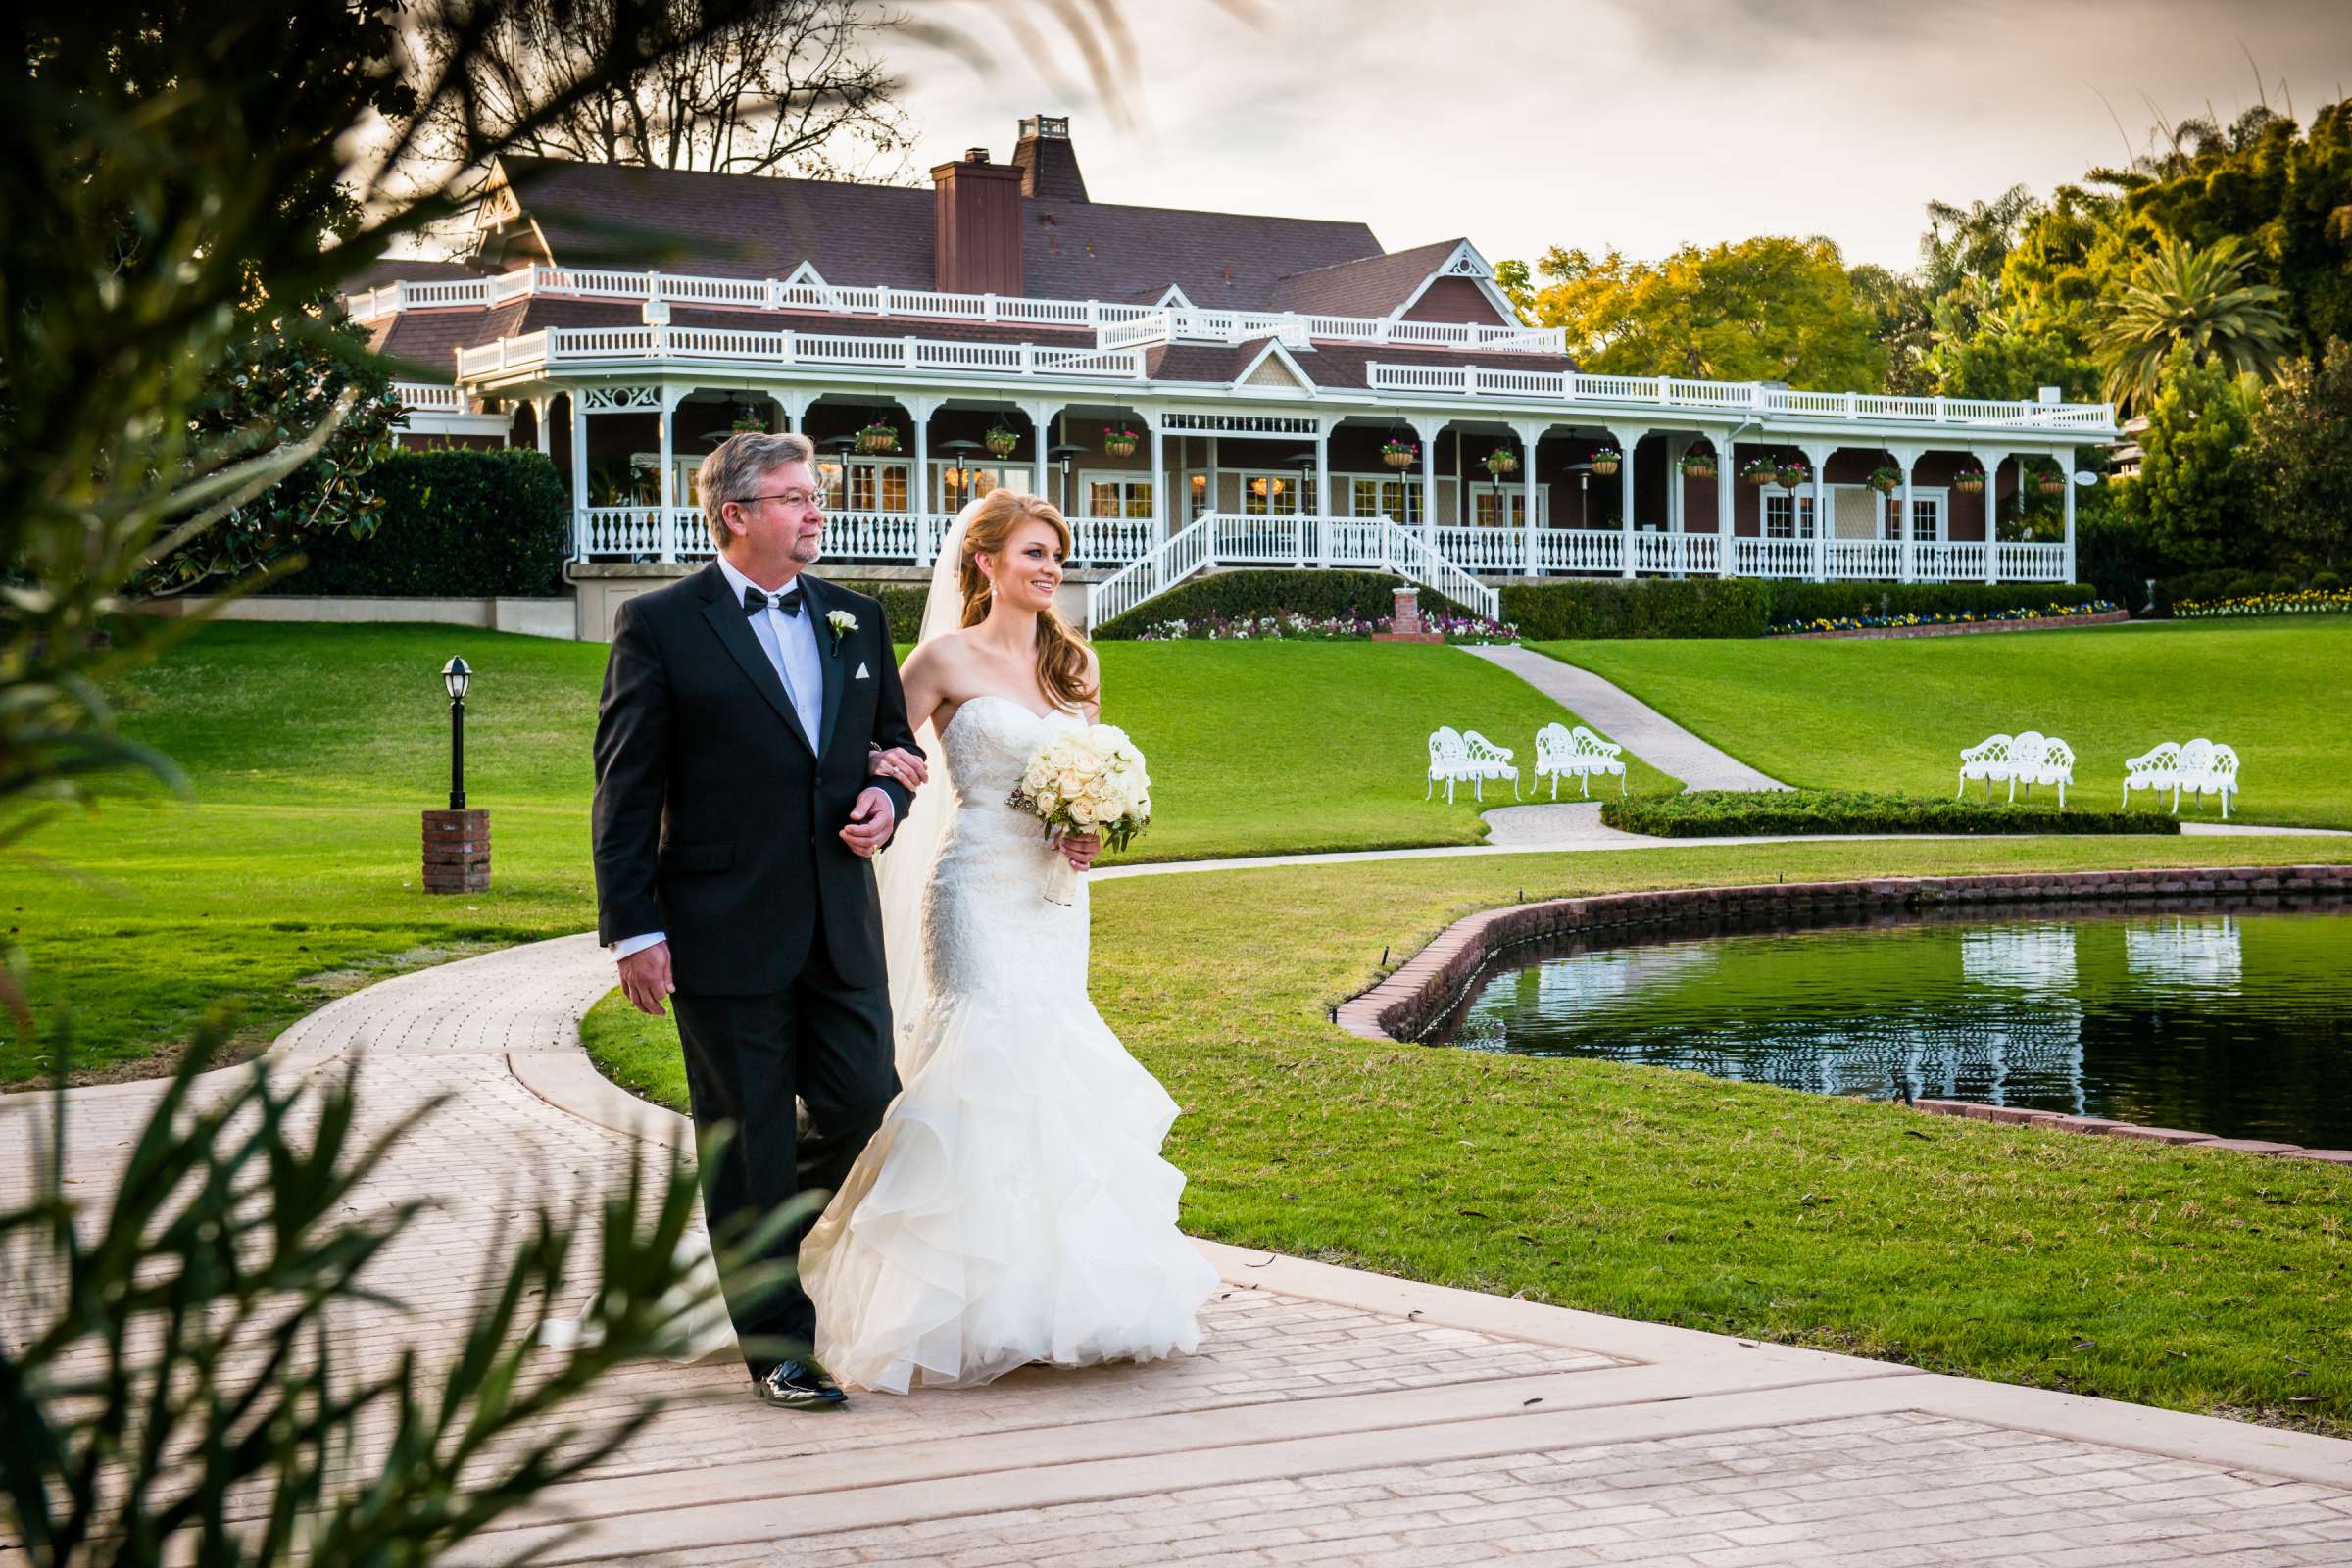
1724,813
1837,623
1287,627
2308,602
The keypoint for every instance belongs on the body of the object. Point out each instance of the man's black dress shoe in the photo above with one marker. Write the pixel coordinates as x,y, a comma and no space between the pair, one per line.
800,1386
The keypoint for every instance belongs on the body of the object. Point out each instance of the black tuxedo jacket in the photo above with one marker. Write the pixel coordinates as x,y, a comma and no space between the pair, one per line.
716,819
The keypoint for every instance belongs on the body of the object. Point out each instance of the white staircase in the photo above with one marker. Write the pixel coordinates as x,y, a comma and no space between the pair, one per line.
1228,539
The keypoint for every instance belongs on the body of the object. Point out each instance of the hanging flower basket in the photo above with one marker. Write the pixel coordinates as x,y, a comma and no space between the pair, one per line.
1501,460
1761,472
878,438
1400,453
1608,461
1886,482
1000,441
1791,474
2050,483
1699,466
749,423
1119,441
1970,483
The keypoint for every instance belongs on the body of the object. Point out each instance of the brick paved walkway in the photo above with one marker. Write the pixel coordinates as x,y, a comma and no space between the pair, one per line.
1330,1416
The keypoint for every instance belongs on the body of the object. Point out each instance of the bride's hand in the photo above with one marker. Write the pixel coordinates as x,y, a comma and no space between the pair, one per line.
1080,848
907,766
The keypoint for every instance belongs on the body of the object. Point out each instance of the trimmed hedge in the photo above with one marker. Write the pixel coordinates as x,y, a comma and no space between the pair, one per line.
1801,602
1723,813
456,523
1249,595
2212,587
901,606
1657,607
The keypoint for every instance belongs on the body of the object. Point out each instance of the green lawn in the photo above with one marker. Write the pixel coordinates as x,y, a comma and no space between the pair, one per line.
312,749
2205,1282
1894,715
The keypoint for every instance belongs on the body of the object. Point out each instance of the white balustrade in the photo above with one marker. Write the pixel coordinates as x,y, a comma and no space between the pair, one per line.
426,397
2032,562
871,535
1225,539
1933,561
1772,558
1487,550
1866,559
632,531
1100,540
1596,550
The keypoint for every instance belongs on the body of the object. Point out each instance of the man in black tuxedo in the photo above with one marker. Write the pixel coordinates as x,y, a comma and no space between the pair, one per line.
735,827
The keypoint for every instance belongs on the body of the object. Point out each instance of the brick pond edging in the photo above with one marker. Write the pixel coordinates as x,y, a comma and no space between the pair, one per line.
1964,628
1427,985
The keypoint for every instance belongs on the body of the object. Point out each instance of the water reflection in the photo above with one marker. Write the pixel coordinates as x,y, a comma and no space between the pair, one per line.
2233,1022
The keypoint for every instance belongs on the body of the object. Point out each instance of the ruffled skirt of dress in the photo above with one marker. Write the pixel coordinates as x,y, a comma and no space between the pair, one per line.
1014,1207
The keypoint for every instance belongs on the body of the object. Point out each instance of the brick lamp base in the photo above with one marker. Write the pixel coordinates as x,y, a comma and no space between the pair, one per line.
1404,622
457,852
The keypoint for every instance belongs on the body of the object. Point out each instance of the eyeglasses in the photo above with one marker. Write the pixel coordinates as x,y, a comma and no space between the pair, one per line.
791,498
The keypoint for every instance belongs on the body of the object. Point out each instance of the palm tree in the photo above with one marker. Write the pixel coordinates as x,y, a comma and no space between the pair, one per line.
2199,298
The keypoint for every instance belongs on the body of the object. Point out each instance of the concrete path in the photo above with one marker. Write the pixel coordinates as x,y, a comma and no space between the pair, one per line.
1631,723
1330,1416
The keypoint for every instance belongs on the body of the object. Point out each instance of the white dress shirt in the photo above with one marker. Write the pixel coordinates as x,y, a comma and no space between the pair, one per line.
792,646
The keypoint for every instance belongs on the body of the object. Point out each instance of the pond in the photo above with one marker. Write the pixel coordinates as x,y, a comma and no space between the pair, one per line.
2229,1020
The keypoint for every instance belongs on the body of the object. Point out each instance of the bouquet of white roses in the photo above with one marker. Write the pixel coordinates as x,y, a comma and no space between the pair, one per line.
1089,780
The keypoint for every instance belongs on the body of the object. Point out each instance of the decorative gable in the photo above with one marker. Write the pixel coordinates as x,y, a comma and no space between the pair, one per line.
1275,372
1468,266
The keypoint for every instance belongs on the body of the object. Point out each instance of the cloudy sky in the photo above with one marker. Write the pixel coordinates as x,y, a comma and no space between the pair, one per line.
1640,123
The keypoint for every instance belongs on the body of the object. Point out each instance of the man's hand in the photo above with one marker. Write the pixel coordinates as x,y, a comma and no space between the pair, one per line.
1080,848
645,978
870,823
898,763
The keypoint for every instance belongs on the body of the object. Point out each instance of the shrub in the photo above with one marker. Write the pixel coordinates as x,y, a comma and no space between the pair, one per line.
1697,607
2326,583
2208,587
455,524
1254,595
1720,813
1800,604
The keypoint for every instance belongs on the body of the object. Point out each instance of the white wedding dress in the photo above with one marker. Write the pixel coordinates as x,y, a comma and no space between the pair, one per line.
1014,1207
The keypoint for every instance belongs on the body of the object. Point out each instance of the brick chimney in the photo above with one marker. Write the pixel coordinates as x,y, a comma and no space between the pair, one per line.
1048,163
977,223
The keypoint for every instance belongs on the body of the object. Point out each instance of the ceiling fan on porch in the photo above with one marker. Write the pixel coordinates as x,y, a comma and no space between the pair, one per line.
741,418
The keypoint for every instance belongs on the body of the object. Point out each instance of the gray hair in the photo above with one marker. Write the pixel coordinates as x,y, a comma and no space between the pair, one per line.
740,467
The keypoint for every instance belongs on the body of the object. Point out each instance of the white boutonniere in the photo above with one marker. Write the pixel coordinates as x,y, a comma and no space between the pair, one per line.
843,623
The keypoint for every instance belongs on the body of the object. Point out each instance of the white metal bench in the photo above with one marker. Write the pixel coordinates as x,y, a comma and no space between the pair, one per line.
2028,758
2206,768
1578,754
2158,770
1467,757
1988,760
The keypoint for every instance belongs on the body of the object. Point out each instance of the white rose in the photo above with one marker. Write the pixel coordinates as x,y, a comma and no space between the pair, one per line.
1082,812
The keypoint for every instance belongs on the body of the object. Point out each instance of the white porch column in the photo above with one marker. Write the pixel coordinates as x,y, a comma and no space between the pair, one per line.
1992,511
579,477
1818,455
2065,466
1627,442
1908,457
1427,432
1529,432
790,408
1211,497
1678,446
1725,463
671,397
919,494
541,408
1040,414
1323,424
1160,512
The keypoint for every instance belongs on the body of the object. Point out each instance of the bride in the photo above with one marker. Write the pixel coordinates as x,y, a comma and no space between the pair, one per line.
1014,1207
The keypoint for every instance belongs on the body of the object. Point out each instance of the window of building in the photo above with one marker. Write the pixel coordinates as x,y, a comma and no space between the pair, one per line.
1118,495
1787,515
962,483
1384,496
1269,495
1200,498
866,484
1507,509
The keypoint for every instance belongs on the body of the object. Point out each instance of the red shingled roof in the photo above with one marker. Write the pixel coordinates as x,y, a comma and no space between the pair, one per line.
739,225
1370,285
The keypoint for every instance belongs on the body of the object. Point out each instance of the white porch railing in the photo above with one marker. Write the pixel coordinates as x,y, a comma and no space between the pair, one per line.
1671,392
1099,541
429,397
2032,562
1224,539
1870,560
1936,561
1772,558
592,345
1156,324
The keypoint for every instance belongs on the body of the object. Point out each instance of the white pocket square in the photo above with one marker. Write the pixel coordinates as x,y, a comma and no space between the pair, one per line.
862,674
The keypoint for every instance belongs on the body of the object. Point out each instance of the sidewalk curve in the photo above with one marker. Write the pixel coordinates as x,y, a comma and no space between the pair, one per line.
1631,723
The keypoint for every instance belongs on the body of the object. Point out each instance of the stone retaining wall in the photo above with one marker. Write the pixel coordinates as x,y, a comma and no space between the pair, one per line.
1426,986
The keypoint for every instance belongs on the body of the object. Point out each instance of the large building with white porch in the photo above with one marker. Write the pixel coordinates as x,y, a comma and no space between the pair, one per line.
1195,389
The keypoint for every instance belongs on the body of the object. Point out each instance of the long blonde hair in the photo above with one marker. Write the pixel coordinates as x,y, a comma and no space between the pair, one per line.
1061,651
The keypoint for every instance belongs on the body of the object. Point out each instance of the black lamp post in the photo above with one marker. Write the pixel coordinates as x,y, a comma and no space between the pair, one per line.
1061,452
456,676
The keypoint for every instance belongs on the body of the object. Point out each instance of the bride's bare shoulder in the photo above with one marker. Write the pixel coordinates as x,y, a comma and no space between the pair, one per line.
939,656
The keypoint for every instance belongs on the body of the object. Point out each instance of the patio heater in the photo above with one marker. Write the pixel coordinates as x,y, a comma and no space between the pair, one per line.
958,475
1061,452
456,841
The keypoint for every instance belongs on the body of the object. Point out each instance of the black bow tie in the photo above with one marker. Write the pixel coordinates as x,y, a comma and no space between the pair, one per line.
756,600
